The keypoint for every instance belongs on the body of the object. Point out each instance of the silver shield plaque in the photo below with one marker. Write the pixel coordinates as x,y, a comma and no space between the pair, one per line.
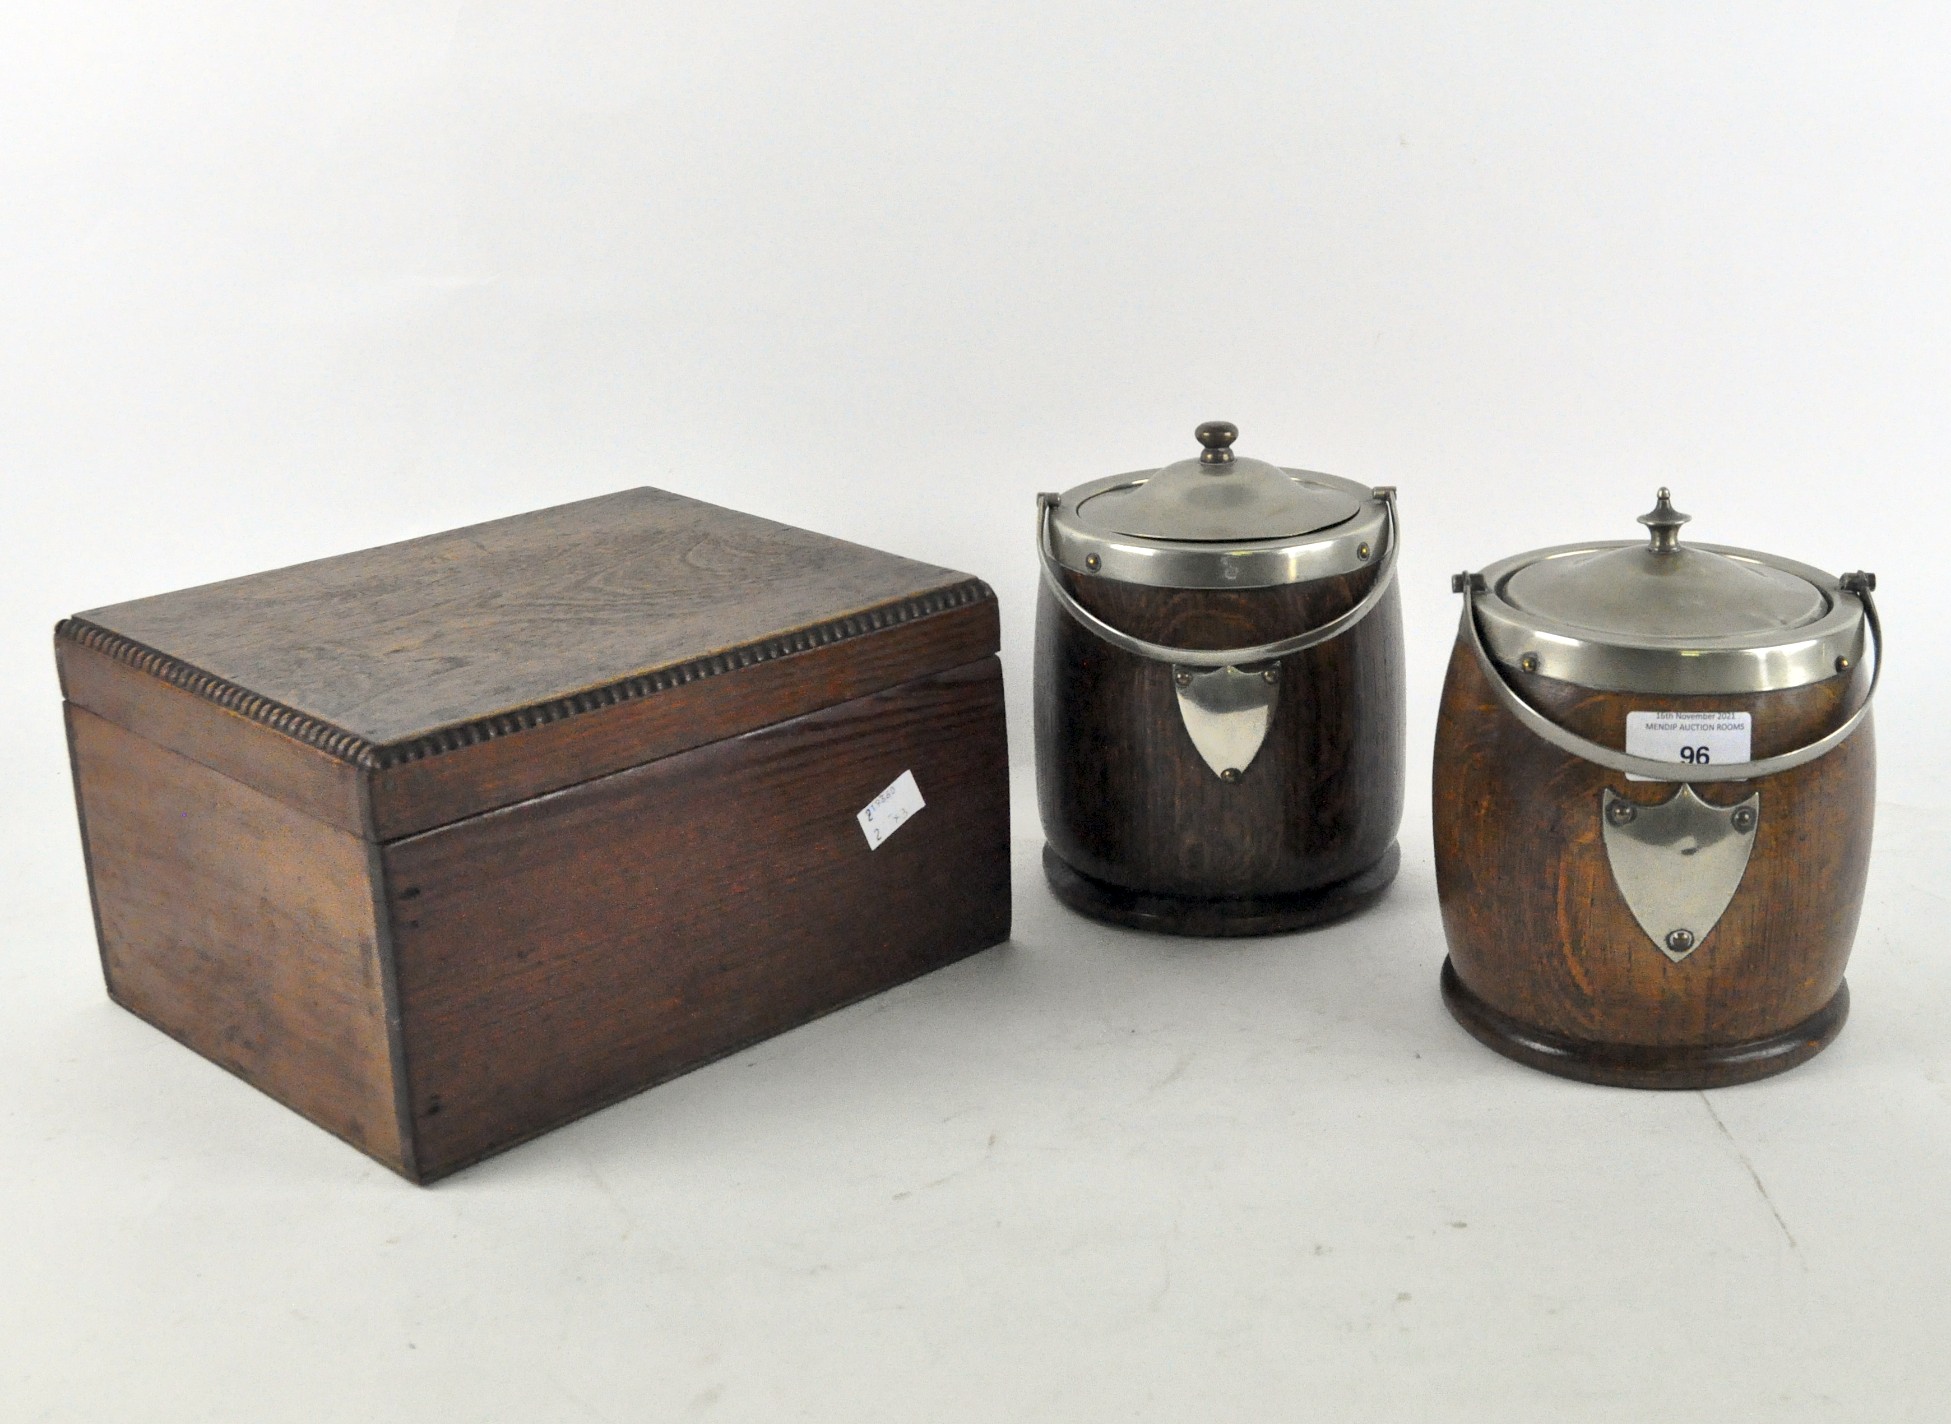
1678,864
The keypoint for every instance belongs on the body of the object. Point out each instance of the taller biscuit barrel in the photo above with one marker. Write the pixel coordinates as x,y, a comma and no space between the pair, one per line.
1219,695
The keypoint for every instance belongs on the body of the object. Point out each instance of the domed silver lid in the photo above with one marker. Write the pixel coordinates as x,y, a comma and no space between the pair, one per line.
1218,520
1219,497
1660,616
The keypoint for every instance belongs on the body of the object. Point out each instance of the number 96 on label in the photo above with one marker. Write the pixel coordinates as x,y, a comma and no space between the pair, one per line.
1695,738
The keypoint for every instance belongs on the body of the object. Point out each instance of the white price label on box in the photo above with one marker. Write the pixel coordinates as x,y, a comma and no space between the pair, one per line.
889,811
1696,738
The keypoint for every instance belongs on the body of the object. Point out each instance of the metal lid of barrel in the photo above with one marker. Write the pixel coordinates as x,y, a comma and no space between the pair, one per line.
1218,520
1653,797
1219,692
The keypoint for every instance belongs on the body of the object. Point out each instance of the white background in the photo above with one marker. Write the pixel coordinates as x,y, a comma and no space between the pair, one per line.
280,281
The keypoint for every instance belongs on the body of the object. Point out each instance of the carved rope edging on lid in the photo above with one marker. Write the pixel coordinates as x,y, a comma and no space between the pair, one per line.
359,751
300,726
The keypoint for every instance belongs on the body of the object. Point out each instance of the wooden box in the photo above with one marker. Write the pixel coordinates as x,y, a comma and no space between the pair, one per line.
446,843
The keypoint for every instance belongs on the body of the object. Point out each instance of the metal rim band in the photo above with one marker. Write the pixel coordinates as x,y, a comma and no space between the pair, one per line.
1766,660
1585,749
1083,545
1225,657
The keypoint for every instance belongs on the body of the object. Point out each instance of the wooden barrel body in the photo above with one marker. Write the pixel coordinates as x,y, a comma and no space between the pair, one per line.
1547,962
1140,830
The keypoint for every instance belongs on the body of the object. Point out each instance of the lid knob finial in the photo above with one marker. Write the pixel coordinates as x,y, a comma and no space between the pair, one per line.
1665,521
1218,437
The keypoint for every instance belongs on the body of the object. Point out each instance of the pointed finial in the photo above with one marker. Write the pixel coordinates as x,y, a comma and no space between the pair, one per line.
1665,521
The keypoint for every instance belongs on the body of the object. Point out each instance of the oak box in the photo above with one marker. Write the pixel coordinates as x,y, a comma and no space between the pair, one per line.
446,843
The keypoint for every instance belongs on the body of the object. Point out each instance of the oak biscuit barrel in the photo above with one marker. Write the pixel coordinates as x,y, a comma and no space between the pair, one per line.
1654,785
1219,695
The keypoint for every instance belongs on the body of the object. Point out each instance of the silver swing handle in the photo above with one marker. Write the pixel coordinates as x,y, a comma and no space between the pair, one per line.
1534,721
1225,657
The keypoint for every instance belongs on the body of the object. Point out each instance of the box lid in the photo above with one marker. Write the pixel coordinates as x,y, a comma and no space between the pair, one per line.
404,687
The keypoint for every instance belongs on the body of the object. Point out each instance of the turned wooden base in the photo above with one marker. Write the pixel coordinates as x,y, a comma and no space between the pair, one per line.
1622,1065
1184,915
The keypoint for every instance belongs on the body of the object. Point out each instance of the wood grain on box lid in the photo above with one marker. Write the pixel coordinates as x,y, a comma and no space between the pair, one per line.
403,654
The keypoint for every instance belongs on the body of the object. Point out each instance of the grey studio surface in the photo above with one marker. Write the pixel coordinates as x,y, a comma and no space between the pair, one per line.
276,287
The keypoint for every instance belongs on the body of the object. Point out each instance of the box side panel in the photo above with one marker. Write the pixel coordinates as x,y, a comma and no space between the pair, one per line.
561,954
241,928
324,787
502,770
